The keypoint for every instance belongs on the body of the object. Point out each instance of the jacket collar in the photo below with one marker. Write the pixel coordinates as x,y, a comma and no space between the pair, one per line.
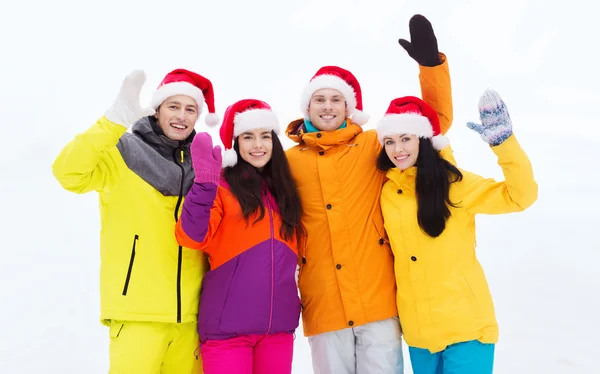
404,179
150,132
323,139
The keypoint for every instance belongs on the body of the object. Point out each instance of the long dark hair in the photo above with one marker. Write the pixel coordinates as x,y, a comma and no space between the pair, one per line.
247,182
434,177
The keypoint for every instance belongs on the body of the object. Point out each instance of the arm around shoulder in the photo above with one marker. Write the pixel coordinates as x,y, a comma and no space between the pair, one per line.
448,154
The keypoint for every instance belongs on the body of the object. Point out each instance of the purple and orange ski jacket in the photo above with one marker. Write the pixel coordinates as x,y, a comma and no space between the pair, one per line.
251,286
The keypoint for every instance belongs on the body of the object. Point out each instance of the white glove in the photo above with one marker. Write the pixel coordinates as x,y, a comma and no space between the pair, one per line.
126,109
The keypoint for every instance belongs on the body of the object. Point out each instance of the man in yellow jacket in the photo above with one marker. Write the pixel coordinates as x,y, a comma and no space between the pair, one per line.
149,285
346,279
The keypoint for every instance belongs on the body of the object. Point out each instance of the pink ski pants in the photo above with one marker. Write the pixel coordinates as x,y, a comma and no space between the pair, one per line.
249,354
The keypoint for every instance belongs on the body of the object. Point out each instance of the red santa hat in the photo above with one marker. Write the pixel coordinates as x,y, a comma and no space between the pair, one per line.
245,115
185,82
341,80
411,115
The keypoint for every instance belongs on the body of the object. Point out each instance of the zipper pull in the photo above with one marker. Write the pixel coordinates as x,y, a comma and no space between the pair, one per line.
181,156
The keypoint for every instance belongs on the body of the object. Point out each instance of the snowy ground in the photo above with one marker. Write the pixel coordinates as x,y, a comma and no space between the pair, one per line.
542,265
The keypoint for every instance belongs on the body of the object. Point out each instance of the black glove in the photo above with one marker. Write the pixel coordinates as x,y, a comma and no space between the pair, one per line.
423,46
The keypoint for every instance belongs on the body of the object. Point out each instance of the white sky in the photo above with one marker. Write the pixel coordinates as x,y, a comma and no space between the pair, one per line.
63,62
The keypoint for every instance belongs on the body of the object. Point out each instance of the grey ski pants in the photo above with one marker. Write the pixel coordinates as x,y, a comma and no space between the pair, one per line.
374,348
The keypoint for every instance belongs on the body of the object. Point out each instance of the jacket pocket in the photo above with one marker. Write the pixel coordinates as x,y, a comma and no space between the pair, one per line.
478,291
228,325
130,269
380,230
115,329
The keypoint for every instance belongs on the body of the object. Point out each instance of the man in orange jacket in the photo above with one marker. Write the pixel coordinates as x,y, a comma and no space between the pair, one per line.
346,279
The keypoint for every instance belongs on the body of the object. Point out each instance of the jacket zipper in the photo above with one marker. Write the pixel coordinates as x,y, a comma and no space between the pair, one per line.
126,286
180,249
272,263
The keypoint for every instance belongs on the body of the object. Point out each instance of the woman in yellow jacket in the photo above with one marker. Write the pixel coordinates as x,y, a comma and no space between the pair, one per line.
429,208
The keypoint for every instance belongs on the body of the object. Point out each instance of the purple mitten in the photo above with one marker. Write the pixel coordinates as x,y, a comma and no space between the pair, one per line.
206,159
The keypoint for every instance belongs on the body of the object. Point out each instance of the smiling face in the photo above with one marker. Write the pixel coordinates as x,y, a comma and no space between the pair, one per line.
327,109
177,116
256,147
403,150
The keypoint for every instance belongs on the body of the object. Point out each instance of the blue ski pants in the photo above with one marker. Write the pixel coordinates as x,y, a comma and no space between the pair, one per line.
470,357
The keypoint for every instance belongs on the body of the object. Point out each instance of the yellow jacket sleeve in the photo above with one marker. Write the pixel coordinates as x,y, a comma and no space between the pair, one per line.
84,165
448,155
516,193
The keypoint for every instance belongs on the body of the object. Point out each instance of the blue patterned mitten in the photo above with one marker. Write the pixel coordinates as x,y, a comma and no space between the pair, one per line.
496,125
